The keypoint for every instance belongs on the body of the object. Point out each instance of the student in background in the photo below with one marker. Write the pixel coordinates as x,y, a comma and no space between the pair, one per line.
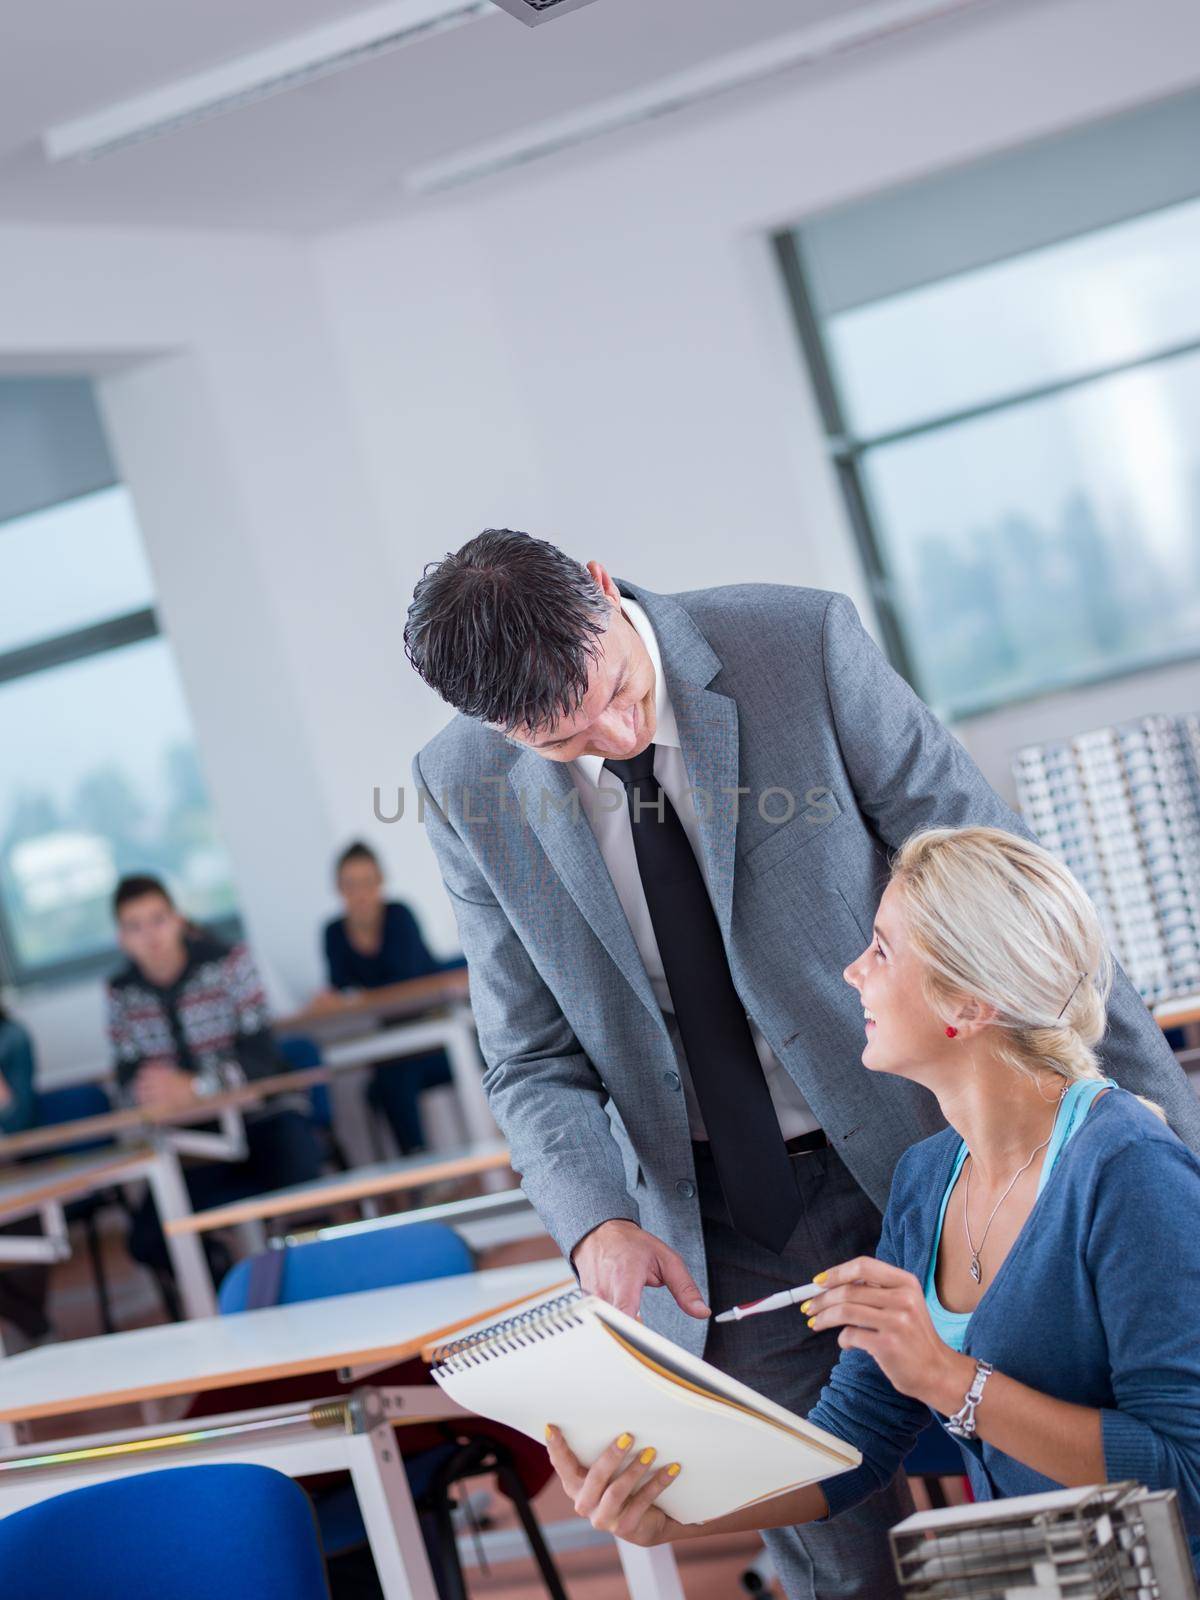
187,1018
22,1288
377,942
1037,1279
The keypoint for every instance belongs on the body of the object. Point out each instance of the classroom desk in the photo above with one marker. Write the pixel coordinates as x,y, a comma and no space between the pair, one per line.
380,1326
338,1026
363,1183
483,1221
391,1001
180,1358
453,1033
43,1188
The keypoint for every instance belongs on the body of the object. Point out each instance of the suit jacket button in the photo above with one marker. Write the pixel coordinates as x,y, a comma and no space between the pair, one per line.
686,1189
671,1079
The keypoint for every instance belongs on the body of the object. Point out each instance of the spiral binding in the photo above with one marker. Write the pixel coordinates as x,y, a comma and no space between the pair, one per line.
514,1333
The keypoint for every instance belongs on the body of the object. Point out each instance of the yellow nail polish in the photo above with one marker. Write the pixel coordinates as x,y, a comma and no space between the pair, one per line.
549,1430
811,1320
804,1305
820,1277
673,1470
647,1455
624,1441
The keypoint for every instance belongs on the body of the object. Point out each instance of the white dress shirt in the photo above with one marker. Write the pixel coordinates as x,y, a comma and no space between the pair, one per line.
602,797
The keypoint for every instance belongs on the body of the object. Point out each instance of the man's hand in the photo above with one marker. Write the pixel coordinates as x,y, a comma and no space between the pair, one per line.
618,1260
326,1000
162,1086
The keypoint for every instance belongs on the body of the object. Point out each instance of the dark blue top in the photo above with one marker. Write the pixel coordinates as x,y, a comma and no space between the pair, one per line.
16,1068
1097,1302
402,953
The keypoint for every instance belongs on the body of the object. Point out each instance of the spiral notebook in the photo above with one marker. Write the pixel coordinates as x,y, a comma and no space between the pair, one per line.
578,1362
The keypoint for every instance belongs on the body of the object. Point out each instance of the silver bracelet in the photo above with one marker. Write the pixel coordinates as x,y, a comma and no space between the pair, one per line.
962,1423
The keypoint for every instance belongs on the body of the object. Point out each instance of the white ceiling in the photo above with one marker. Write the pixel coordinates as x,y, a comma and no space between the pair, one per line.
336,150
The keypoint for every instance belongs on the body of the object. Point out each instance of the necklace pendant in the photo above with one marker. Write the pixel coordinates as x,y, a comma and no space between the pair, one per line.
976,1270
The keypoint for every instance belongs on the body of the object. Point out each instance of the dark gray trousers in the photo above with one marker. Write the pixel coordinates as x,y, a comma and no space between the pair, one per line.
777,1355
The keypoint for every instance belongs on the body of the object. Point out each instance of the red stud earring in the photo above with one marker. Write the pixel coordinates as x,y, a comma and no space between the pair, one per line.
951,1032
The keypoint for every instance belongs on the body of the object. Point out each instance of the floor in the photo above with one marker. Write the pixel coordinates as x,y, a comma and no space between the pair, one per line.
715,1569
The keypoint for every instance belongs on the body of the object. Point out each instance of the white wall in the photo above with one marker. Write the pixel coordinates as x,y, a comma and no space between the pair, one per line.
227,422
598,349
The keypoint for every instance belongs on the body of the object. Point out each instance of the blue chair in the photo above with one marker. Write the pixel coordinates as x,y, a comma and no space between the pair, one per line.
326,1267
300,1053
70,1104
417,1253
185,1533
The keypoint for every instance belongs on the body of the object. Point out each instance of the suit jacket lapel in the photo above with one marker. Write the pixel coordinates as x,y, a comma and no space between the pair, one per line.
546,792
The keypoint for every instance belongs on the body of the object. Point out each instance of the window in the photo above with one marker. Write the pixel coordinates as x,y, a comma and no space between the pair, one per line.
99,775
1015,435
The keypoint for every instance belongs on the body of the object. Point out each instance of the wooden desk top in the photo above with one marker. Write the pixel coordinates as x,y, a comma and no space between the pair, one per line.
1178,1013
134,1119
393,1001
176,1358
386,1177
24,1190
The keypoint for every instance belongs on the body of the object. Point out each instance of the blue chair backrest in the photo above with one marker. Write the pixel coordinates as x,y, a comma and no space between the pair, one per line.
69,1104
184,1533
380,1259
300,1053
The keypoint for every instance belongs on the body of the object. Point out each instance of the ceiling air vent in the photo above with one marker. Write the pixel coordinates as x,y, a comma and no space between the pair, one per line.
531,12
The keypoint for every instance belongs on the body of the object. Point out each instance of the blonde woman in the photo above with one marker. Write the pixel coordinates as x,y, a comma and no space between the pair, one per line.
1037,1283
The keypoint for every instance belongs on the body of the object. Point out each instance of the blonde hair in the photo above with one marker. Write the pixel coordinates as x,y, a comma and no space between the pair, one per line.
994,917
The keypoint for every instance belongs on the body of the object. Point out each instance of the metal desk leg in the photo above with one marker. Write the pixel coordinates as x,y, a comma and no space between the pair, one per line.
650,1574
390,1517
186,1252
467,1070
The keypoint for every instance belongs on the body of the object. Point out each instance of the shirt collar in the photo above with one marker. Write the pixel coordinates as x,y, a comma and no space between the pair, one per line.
666,731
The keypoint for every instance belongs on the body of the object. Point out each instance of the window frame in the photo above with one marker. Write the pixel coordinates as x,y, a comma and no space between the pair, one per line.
79,644
846,452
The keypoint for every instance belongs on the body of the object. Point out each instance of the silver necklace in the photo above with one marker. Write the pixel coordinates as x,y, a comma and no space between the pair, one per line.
975,1269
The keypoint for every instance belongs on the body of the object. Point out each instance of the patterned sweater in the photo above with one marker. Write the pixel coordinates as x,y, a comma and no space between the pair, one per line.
212,1021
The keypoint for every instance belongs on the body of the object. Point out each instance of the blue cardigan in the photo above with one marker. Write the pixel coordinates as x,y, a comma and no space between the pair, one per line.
1097,1302
402,954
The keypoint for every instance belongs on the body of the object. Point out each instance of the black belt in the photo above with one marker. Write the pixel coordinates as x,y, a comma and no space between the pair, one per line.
804,1143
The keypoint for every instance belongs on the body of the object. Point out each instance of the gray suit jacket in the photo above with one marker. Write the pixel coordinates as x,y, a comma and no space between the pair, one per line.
778,691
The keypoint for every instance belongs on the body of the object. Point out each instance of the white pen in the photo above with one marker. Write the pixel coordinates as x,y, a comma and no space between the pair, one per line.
773,1302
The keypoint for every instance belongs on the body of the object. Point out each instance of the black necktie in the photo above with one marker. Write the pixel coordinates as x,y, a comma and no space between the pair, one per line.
747,1145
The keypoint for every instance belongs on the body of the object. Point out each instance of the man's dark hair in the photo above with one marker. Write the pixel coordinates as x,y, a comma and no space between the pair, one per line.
357,851
504,629
135,887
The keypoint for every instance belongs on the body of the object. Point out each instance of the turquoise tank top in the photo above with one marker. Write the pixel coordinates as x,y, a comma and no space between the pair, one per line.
951,1326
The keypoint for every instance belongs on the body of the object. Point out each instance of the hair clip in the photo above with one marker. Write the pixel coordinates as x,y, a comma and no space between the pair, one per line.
1071,996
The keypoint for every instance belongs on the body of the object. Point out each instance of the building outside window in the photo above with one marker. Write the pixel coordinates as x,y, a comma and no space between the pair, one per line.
1007,362
99,774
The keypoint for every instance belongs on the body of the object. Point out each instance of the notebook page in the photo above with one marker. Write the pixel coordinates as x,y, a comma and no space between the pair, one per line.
594,1387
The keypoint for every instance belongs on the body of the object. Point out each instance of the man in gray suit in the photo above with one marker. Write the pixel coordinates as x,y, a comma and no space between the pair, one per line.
663,822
